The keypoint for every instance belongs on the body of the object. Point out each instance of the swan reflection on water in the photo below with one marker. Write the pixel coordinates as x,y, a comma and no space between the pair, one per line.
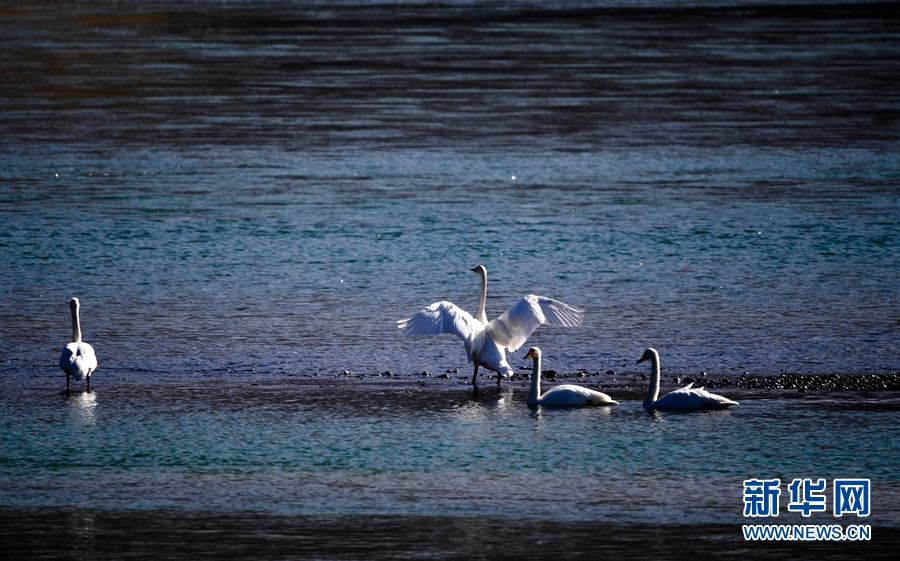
82,408
590,414
662,416
483,405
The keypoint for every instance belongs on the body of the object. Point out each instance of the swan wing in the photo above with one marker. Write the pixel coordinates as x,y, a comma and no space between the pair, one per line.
570,394
711,400
679,399
443,317
692,398
440,317
513,328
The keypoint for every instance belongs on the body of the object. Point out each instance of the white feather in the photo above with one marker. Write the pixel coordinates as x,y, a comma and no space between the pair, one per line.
516,325
77,359
686,398
486,345
564,395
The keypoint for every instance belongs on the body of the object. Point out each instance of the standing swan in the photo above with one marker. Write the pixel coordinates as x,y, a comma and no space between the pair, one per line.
684,398
77,359
487,342
567,394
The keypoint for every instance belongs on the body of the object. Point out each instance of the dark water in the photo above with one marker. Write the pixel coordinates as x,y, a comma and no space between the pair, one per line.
179,536
252,193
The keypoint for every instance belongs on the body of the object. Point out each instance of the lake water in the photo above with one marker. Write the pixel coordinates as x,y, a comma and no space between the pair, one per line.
247,196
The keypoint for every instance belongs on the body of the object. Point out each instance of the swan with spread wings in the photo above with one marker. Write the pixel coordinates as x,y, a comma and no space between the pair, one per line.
487,342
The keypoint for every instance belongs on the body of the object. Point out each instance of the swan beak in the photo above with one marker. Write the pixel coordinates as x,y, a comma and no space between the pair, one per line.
640,360
530,353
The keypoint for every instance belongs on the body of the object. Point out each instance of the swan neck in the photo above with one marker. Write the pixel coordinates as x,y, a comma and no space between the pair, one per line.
535,394
653,390
480,314
76,324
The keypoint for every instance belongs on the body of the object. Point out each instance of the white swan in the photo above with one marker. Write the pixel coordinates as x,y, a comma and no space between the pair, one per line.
566,394
77,359
487,342
687,397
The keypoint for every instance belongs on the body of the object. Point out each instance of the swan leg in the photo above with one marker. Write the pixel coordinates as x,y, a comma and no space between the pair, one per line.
474,376
88,379
67,383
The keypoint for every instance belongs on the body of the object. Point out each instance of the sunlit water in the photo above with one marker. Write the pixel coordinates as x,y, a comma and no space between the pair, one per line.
312,449
255,194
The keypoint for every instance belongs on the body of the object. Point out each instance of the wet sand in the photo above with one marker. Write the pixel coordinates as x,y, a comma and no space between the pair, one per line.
421,390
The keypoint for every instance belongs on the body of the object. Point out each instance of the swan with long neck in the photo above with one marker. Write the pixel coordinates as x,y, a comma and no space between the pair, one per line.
487,342
686,398
77,360
564,395
480,314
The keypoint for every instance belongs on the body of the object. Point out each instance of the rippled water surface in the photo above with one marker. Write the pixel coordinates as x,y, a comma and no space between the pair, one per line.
276,466
313,448
246,196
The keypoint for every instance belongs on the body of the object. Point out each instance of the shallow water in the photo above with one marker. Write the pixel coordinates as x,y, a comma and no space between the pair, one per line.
253,193
399,469
334,447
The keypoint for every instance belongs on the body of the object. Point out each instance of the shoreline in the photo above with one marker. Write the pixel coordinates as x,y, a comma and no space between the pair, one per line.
627,385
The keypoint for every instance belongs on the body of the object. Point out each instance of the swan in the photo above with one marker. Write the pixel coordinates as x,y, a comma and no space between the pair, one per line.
487,342
687,397
567,394
77,359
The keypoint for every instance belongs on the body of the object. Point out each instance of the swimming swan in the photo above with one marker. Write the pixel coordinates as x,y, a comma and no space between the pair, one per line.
567,394
77,359
684,398
487,342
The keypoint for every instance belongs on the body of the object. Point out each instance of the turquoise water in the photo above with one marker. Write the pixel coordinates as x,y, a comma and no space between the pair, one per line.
234,185
245,259
338,447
